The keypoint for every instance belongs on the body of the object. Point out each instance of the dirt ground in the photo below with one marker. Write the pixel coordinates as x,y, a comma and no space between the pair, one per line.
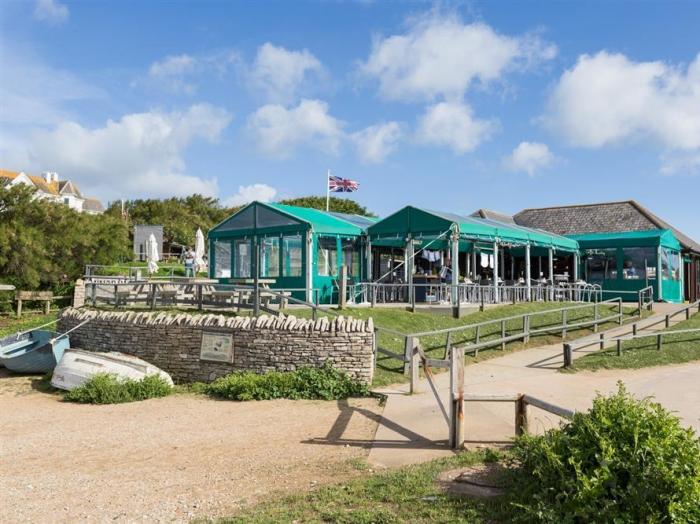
166,460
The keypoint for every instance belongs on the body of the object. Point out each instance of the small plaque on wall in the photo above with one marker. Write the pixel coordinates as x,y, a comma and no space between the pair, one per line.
217,347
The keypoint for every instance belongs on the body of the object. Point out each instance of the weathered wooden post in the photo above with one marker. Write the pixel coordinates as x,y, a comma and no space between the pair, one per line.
595,317
619,311
618,344
602,341
200,301
658,341
457,397
503,335
568,356
520,415
153,295
18,298
413,363
526,329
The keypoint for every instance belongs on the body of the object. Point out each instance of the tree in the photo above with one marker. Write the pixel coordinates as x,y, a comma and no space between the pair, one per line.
180,217
47,245
339,205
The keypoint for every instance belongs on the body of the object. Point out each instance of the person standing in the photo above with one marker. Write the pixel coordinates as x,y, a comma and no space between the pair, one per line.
189,263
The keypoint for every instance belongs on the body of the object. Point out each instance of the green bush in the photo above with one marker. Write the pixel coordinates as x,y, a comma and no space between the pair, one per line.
623,461
325,383
105,388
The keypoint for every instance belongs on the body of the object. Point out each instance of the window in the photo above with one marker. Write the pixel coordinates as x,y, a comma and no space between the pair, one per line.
270,257
351,256
291,256
638,263
327,254
602,264
670,265
242,258
222,259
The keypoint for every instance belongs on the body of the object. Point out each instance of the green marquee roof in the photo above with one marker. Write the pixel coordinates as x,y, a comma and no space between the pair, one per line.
268,218
652,237
427,224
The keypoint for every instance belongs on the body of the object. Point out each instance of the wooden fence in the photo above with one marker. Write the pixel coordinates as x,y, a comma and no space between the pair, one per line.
603,340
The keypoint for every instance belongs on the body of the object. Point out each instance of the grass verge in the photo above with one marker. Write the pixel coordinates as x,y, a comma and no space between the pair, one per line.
408,494
642,353
12,324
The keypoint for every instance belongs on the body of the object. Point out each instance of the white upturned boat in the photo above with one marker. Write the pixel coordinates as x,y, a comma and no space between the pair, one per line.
77,366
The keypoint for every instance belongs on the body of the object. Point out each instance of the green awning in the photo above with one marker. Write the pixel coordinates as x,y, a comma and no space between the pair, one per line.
424,224
258,218
652,237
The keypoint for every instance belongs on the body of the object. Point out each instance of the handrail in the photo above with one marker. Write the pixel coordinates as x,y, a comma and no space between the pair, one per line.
506,319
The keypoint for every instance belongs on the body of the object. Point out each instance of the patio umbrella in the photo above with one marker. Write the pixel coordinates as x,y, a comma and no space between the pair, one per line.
152,254
199,251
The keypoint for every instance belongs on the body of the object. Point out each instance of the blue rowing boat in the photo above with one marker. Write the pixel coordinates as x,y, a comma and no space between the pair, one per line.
36,351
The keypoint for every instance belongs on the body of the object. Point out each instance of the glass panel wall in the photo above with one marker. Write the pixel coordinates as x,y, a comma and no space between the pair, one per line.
291,256
327,256
222,259
242,258
638,263
270,257
351,256
670,265
602,264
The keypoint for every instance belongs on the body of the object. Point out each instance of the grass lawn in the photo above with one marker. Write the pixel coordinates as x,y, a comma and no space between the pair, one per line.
12,324
390,371
408,494
642,353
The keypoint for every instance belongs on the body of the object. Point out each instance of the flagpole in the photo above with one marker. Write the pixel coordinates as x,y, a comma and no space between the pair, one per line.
328,190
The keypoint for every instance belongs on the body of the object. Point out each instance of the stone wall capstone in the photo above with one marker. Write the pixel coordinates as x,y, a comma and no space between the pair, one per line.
173,341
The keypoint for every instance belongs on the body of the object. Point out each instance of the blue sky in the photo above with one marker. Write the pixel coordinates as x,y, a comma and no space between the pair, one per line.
503,105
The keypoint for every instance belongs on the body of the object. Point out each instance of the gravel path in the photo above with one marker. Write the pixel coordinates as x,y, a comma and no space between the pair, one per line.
166,460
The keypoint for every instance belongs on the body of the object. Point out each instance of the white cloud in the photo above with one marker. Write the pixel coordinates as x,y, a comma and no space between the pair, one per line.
607,98
281,73
441,56
51,12
28,101
184,73
530,157
452,124
686,163
279,130
375,143
246,194
139,155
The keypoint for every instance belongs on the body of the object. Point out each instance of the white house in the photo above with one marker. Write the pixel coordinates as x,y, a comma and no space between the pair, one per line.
49,186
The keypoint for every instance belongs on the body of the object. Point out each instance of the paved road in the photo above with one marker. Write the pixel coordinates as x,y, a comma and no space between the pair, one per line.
413,428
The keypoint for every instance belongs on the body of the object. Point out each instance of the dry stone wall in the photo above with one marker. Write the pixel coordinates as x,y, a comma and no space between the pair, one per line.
173,341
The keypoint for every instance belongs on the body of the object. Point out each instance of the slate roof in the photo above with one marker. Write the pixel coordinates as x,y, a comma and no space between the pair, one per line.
493,215
605,217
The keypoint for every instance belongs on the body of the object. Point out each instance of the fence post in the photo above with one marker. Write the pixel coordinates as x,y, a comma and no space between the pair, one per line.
634,329
448,344
478,334
595,317
602,341
94,294
414,364
200,304
115,297
687,313
526,328
619,311
668,320
618,343
564,319
520,415
153,296
503,335
658,342
568,356
457,397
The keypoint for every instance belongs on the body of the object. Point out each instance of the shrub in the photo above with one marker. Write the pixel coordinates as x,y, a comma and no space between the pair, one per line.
623,461
325,383
105,388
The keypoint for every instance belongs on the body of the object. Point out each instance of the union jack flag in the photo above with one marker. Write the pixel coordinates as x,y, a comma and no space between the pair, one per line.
341,185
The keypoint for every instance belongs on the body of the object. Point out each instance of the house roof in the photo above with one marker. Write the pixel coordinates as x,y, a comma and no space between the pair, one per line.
493,215
66,187
39,182
605,217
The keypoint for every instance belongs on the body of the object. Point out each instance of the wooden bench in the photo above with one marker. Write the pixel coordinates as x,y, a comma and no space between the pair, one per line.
39,296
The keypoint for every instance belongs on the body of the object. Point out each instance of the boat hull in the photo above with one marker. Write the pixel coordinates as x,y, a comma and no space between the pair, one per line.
77,367
33,352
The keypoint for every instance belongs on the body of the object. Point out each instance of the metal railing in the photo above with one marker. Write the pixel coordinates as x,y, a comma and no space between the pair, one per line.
646,299
190,294
602,340
471,293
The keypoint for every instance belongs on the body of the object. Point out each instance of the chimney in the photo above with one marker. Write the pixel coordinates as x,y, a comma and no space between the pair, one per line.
50,176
